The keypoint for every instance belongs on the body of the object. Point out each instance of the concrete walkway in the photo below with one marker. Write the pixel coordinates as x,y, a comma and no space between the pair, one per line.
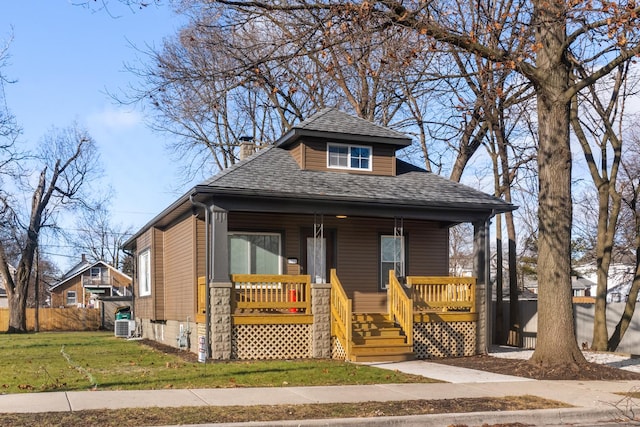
594,401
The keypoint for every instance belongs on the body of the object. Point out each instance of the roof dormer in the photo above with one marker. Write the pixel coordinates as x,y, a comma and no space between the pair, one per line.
334,141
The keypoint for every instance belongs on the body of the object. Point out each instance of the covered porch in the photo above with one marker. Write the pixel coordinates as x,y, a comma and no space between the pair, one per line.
287,316
349,287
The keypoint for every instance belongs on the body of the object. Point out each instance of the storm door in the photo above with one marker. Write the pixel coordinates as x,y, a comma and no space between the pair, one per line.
318,254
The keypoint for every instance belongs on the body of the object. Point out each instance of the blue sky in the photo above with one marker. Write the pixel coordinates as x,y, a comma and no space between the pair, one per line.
65,58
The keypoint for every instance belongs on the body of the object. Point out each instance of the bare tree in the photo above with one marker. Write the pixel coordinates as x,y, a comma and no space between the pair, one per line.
9,128
68,159
630,221
596,118
98,237
554,37
231,73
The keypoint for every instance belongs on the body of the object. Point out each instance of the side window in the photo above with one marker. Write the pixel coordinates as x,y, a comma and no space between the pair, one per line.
144,273
71,298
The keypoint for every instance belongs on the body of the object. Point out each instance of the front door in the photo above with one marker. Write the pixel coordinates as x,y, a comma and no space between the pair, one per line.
318,255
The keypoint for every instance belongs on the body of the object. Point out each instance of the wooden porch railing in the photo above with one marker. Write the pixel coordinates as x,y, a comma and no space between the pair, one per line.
290,293
443,293
341,312
400,306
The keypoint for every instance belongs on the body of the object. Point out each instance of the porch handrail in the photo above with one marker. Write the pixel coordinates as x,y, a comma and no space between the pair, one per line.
341,312
400,306
441,293
272,292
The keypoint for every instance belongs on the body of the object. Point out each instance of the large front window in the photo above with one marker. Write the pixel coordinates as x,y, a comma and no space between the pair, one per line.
348,156
254,253
144,273
391,258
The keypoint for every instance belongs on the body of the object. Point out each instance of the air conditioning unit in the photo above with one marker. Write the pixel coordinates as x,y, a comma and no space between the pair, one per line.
125,328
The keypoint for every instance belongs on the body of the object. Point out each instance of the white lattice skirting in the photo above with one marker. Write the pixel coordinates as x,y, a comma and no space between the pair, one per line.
444,339
271,342
337,351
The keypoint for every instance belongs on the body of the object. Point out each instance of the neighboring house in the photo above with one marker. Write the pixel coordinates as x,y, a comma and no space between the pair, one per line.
4,301
619,282
87,282
329,200
580,286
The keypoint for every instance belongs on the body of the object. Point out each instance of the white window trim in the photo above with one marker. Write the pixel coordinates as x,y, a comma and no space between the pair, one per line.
75,298
257,233
144,273
349,147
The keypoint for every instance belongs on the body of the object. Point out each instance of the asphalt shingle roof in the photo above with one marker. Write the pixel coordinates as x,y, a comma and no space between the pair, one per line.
273,171
336,122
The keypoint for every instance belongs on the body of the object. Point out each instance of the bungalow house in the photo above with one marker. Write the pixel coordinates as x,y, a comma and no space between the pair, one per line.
86,282
322,245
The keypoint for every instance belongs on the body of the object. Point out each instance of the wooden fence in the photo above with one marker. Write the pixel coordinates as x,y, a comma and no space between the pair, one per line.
57,319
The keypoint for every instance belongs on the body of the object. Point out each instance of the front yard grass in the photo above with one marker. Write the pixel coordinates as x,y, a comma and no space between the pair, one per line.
69,361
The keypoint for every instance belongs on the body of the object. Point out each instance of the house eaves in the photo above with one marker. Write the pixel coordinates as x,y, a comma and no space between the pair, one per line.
333,124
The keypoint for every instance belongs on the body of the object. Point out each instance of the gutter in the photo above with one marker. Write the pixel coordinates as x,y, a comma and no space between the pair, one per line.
207,268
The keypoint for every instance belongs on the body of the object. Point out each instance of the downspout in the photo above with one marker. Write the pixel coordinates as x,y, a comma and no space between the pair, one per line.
207,270
134,264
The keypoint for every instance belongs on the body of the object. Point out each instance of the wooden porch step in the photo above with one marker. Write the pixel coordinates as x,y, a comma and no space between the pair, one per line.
379,340
384,332
369,318
387,353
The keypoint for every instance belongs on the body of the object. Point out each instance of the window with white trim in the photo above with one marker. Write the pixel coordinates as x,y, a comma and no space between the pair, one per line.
144,273
71,298
342,156
255,253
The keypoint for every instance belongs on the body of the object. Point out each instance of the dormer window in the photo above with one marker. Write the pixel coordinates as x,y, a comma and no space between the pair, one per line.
343,156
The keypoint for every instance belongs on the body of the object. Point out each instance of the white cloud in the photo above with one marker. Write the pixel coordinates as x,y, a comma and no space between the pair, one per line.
114,120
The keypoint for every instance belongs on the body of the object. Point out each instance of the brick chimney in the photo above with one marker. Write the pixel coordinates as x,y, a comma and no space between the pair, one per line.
247,147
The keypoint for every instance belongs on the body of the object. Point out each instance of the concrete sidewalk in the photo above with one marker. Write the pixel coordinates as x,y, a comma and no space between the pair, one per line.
594,401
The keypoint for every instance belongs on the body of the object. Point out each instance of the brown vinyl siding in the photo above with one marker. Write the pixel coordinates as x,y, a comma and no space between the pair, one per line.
297,151
314,157
157,275
143,305
200,247
358,242
177,260
179,272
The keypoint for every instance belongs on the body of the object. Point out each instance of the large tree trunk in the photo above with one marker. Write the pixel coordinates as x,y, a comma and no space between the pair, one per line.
18,313
557,345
